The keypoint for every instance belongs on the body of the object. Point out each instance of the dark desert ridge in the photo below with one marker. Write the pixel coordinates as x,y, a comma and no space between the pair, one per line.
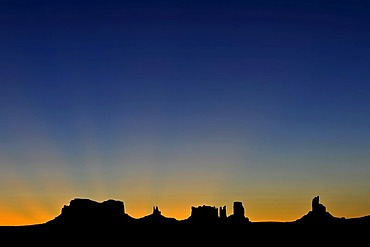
89,222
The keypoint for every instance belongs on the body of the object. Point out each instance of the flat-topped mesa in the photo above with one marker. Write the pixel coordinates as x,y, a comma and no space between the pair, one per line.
86,207
204,214
86,211
210,214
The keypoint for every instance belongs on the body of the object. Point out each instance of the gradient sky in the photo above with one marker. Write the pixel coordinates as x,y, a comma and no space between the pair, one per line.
184,103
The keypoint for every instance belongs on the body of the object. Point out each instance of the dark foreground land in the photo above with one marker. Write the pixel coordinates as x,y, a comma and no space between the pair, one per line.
85,223
253,234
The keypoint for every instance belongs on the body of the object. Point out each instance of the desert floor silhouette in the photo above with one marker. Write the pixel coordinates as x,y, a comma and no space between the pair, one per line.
87,221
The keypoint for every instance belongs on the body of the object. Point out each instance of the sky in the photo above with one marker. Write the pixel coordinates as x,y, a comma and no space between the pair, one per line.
184,103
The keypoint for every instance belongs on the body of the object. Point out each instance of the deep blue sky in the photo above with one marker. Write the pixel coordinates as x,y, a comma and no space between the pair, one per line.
259,94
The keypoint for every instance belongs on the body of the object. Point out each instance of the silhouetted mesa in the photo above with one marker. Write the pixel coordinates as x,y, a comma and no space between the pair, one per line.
88,212
204,214
209,214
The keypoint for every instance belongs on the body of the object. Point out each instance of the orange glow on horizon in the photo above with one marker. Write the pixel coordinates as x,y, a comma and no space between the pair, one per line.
23,216
38,195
